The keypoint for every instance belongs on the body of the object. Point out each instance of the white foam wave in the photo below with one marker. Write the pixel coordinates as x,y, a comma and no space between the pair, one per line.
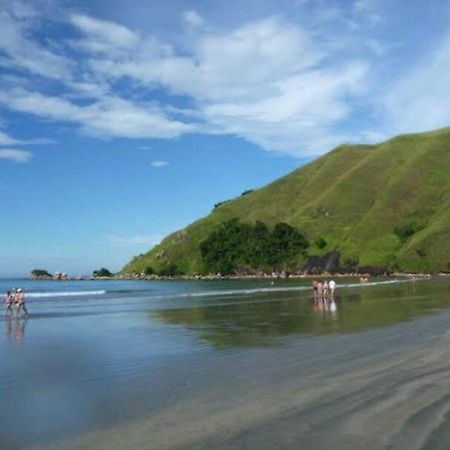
231,292
64,294
218,293
243,291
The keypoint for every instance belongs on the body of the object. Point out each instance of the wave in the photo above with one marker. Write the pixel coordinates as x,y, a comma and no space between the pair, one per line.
284,289
64,294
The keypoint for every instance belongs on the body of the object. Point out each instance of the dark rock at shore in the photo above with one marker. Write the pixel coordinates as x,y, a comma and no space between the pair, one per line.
327,263
331,263
374,271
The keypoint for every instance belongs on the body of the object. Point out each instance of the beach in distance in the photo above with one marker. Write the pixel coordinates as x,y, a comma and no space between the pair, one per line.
231,364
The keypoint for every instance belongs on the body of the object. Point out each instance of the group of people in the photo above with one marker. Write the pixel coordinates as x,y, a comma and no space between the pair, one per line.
15,302
323,289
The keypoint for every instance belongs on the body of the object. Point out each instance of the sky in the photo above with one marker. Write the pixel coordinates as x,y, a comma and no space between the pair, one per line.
121,122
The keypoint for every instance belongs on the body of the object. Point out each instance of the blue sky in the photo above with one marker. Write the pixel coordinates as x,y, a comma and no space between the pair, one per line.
123,121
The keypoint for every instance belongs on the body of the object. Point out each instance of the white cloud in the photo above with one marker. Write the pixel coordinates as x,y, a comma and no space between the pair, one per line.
24,53
269,81
193,19
107,117
261,81
137,239
366,11
419,100
7,140
158,164
103,36
18,156
295,118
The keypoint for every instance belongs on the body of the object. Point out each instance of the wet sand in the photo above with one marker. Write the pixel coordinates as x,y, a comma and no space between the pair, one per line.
246,370
388,388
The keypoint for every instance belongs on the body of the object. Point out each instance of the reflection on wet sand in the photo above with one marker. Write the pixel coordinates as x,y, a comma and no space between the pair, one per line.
15,329
264,320
321,304
367,369
378,389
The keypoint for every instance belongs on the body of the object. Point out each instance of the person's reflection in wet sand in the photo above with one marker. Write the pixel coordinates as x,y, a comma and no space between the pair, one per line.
333,307
325,306
19,329
8,327
15,329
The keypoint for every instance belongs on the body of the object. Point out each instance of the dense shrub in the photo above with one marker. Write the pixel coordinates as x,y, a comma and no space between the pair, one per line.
41,273
235,245
169,271
404,232
102,273
149,270
320,242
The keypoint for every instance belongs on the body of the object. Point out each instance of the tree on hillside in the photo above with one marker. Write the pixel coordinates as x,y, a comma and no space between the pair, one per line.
169,271
235,246
102,273
285,244
41,273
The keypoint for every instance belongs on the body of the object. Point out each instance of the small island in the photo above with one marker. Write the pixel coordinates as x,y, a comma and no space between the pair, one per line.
44,274
41,274
102,273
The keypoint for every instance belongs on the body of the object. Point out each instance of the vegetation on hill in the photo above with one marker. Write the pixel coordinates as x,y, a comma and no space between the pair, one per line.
236,246
383,206
102,273
41,273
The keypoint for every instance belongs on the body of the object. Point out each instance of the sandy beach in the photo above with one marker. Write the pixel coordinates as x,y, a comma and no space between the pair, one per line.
372,390
307,379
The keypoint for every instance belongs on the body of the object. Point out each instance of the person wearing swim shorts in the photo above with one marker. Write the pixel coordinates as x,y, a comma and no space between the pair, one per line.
332,286
9,302
20,302
325,288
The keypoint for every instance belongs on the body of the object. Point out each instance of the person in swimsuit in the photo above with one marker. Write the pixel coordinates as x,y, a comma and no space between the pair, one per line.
332,286
9,301
20,302
319,289
314,286
325,288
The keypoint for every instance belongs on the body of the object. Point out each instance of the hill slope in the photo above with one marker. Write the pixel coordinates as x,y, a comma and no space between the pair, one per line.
386,205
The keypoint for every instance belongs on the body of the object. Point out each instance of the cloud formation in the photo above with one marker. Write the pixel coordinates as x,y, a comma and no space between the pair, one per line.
193,18
14,155
419,101
23,52
158,164
109,116
281,84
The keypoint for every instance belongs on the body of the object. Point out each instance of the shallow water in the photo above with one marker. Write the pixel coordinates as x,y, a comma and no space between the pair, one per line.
229,364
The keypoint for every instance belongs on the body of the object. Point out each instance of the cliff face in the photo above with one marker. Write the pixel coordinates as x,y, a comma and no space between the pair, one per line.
381,206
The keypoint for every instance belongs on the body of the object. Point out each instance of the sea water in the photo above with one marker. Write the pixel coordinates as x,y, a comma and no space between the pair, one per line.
225,364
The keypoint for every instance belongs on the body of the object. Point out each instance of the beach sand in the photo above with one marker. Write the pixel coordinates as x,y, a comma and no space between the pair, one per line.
385,388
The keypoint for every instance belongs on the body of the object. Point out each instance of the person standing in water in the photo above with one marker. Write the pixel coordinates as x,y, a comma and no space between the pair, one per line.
9,301
325,288
319,289
332,286
20,302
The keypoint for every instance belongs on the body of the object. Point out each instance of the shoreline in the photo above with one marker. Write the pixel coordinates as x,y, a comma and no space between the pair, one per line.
277,276
354,386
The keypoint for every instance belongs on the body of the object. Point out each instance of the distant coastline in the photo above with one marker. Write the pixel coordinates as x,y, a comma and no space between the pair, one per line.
275,276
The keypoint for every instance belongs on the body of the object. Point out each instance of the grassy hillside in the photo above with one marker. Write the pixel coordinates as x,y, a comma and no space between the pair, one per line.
386,205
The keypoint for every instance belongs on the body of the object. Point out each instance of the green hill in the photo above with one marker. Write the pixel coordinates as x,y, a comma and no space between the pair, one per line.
385,206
